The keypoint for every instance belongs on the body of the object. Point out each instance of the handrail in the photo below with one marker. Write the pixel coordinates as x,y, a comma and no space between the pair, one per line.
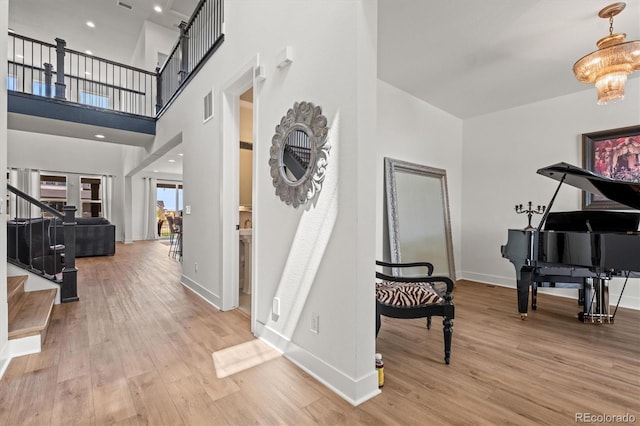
110,62
31,40
200,37
44,43
32,245
35,201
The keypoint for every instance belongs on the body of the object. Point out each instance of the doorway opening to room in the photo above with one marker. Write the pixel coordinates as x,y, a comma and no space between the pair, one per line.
245,194
169,214
239,111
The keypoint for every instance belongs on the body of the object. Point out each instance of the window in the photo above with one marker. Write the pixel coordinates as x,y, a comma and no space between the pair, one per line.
12,82
53,191
94,99
91,196
39,88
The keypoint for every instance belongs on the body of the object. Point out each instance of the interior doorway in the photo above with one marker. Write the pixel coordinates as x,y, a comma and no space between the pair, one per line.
238,85
245,194
169,196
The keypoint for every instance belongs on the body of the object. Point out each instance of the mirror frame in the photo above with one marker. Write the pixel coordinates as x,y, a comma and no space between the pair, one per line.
393,166
308,118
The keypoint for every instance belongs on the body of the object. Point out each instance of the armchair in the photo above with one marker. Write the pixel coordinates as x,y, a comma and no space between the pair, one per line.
423,296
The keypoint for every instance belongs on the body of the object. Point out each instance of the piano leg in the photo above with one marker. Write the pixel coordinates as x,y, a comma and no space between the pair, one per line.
534,296
523,285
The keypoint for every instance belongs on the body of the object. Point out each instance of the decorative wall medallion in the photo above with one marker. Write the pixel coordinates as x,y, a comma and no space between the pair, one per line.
299,153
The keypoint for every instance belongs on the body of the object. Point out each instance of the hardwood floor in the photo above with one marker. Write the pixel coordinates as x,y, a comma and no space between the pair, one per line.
137,349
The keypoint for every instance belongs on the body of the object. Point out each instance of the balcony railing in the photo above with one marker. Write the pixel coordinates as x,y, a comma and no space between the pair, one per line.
54,71
199,39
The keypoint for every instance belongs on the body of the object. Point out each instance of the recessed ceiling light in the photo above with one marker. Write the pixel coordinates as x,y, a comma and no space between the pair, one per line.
87,73
90,24
88,52
181,154
99,136
19,56
157,8
156,171
172,161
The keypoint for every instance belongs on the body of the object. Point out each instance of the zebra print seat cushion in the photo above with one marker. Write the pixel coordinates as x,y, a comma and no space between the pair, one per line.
406,295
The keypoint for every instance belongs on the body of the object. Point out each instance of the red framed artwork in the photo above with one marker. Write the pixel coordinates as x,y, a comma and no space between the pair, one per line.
614,154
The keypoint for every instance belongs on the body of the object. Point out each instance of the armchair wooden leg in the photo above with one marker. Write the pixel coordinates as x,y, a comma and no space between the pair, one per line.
448,331
378,323
428,323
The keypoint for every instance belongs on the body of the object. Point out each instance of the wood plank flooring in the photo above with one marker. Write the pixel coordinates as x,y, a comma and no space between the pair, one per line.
137,349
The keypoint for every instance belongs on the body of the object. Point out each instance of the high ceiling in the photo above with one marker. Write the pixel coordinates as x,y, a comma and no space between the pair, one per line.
466,57
115,35
472,57
117,28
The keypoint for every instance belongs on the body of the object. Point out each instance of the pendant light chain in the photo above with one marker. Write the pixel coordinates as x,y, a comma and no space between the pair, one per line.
611,25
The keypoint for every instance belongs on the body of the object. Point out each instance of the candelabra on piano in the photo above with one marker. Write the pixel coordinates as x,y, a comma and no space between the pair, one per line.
530,212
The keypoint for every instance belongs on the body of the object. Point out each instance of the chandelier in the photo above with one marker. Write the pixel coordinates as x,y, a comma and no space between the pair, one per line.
609,66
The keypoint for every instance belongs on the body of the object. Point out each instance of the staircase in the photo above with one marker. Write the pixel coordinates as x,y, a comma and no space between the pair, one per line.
29,313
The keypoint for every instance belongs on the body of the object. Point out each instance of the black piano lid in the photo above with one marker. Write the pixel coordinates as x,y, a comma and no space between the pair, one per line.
627,193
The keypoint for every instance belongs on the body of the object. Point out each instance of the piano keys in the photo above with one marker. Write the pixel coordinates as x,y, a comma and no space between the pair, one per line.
580,249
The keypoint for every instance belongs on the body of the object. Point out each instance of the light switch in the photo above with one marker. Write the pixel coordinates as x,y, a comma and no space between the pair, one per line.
187,209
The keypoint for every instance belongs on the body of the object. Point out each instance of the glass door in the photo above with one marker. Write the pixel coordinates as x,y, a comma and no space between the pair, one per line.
168,204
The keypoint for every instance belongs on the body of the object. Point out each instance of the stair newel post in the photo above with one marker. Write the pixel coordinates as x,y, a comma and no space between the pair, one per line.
69,290
48,73
158,90
60,86
184,53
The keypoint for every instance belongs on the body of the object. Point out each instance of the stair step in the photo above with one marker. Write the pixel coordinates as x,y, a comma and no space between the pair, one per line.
29,313
15,286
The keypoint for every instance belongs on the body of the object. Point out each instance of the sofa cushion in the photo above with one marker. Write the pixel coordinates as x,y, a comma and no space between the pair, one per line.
92,221
95,236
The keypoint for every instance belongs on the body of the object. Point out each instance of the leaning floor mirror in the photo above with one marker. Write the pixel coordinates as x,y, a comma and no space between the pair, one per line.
418,215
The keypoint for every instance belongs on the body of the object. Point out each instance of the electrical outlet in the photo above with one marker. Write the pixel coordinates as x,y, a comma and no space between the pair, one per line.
315,322
195,266
276,306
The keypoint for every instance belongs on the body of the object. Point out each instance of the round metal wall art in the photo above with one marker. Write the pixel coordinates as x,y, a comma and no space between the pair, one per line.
299,154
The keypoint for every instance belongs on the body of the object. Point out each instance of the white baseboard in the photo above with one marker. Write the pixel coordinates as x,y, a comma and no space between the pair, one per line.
205,294
18,347
25,346
627,301
353,390
5,359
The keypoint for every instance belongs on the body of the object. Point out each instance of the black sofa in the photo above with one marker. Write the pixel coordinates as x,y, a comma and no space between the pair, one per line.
95,236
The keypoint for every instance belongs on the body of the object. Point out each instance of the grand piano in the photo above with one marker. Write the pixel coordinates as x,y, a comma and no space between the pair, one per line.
579,249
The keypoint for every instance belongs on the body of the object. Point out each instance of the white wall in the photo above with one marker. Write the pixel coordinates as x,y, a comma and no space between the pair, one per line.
501,153
4,327
153,39
316,259
73,156
411,130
